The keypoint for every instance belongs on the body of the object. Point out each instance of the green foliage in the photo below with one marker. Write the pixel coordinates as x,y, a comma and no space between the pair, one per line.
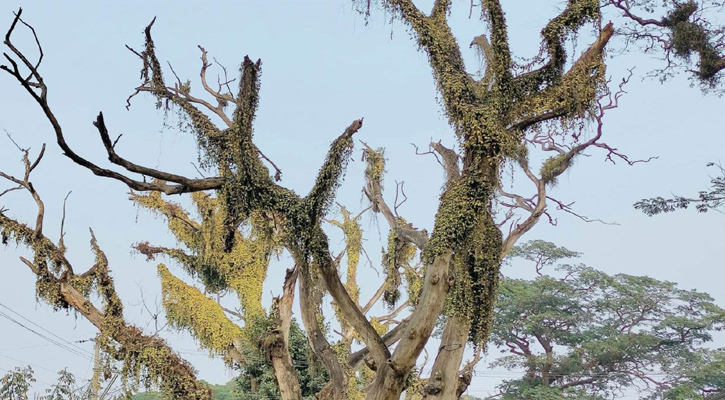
588,333
711,199
541,252
15,385
219,392
688,37
257,381
64,389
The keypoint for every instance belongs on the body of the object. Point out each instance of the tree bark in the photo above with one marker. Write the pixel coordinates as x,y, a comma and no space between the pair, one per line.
178,375
277,342
390,380
309,307
443,383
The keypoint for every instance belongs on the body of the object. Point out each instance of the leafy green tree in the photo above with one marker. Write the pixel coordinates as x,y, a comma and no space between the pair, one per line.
257,380
711,199
226,391
243,214
585,334
16,384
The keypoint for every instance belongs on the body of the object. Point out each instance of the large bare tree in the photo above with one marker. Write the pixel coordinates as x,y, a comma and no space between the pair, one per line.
244,215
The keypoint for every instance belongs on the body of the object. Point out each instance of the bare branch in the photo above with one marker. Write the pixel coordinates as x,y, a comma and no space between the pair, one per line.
41,99
61,245
373,191
567,208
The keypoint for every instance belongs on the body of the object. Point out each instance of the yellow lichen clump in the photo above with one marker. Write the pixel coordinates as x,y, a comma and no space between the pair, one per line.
187,307
242,269
379,327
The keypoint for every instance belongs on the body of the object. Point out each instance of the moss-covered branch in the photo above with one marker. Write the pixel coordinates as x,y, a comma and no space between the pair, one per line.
330,174
353,247
572,95
575,15
248,97
682,31
153,81
500,59
146,359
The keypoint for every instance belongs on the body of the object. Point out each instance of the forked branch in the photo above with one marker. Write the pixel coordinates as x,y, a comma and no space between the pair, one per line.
36,87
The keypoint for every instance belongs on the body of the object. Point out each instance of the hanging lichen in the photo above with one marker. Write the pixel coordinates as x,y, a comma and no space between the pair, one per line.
553,166
148,360
414,281
475,269
397,257
187,308
181,225
689,37
242,269
462,205
374,171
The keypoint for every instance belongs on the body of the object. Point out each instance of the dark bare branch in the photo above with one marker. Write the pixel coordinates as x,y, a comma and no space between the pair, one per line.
197,184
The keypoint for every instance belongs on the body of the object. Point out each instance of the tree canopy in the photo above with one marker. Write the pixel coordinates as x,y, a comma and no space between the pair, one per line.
581,333
711,199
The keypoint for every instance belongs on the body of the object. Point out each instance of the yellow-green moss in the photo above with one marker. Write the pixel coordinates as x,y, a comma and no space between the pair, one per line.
414,281
242,269
375,161
379,327
187,308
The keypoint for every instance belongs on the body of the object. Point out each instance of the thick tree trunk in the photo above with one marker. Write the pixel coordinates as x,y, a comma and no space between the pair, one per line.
309,307
277,343
390,379
443,384
284,371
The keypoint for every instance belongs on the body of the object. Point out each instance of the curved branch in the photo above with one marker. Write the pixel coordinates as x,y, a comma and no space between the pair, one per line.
41,99
196,184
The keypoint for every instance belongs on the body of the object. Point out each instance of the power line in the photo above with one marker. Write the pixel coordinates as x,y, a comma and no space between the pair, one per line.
69,346
25,347
76,347
27,363
13,371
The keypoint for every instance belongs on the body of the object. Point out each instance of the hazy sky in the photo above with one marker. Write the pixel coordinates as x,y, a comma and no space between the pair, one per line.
322,68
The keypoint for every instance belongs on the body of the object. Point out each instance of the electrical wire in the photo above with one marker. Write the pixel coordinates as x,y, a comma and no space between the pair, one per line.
62,343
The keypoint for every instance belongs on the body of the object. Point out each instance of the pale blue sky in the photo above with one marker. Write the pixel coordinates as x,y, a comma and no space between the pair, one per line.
322,68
